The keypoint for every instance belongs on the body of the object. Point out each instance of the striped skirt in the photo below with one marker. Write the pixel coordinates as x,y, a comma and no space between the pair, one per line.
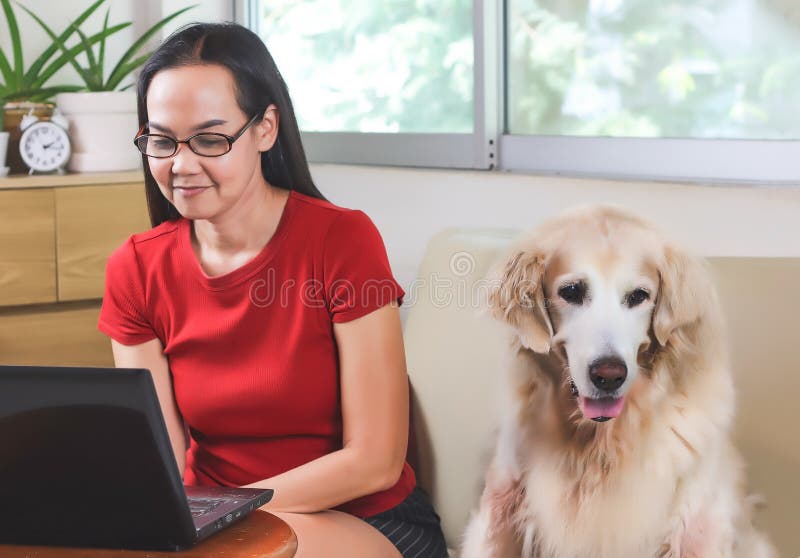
413,527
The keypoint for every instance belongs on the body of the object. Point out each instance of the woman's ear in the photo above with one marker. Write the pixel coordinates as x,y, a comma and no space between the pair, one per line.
683,294
267,128
516,297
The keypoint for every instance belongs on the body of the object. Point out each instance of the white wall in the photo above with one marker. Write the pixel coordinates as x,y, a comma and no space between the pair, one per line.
205,10
410,205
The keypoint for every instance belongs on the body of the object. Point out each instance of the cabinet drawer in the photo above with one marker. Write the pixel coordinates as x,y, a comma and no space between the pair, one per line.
92,221
27,247
54,334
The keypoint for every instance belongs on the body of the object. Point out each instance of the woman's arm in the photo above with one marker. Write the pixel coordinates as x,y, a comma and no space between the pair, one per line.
374,391
150,355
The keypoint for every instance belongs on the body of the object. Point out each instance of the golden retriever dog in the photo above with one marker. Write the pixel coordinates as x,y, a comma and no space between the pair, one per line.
616,435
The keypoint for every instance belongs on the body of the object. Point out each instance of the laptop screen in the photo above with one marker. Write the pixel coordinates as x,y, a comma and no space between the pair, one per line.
85,459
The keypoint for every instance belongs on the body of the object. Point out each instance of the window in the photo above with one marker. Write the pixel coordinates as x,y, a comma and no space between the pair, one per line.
717,69
369,78
591,84
367,66
677,89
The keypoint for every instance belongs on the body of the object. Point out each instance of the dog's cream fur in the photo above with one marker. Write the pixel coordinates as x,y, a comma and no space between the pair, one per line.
662,480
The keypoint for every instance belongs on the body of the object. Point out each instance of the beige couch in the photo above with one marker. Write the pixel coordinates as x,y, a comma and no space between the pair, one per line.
454,351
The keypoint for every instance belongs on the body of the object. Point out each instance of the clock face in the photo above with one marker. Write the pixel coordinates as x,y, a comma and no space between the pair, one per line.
44,146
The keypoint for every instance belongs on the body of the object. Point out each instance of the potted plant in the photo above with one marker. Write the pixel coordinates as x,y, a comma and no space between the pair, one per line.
102,116
24,91
3,148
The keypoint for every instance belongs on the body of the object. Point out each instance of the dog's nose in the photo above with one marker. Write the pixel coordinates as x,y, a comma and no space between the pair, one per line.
608,373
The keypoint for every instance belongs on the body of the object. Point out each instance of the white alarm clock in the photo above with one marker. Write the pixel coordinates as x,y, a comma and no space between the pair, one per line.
44,144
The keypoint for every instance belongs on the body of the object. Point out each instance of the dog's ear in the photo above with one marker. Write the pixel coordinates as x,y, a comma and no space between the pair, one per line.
516,297
685,291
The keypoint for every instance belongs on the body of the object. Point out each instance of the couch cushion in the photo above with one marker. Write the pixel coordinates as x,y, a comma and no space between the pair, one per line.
454,356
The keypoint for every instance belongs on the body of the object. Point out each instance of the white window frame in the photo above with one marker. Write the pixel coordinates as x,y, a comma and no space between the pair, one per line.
767,162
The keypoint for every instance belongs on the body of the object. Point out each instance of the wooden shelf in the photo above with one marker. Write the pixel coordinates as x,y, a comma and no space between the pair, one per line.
23,181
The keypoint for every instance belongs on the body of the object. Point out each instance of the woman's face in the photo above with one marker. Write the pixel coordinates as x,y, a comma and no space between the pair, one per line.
201,98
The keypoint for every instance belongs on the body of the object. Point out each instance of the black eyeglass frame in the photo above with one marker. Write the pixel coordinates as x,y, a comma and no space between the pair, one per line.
177,142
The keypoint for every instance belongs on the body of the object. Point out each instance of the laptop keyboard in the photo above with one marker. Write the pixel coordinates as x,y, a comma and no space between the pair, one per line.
202,506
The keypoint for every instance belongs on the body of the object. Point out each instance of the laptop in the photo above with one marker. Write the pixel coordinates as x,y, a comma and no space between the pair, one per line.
85,460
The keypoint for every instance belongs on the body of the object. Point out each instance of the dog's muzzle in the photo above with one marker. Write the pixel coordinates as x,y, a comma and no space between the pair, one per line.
608,373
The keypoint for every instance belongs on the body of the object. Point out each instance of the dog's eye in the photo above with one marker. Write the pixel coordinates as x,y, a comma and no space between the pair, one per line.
636,297
574,293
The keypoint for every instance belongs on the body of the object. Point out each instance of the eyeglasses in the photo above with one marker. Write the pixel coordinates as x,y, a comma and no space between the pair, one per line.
205,144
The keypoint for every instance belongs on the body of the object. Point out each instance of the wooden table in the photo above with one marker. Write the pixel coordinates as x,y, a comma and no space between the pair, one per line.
259,534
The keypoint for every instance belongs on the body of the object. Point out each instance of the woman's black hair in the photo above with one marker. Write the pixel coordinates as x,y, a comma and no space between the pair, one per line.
258,84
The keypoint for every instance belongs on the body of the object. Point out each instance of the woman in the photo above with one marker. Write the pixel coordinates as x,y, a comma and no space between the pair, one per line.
267,315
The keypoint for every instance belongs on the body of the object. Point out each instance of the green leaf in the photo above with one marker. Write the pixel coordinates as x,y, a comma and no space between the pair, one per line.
61,45
74,51
117,73
113,82
91,71
41,94
32,74
16,43
5,69
102,58
87,48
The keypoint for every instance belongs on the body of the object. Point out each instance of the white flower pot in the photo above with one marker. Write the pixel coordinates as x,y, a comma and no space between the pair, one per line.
101,130
3,150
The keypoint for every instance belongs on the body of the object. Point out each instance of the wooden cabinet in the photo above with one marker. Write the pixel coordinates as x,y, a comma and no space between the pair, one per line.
62,334
27,247
90,223
56,233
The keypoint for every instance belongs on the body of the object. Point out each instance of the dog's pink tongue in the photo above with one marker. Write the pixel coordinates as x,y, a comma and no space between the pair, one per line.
607,407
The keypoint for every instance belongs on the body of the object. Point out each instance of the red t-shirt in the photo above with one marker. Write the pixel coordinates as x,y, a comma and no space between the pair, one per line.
253,358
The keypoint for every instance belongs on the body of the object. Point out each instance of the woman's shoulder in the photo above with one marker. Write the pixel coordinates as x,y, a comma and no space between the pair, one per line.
165,232
329,217
317,206
147,245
